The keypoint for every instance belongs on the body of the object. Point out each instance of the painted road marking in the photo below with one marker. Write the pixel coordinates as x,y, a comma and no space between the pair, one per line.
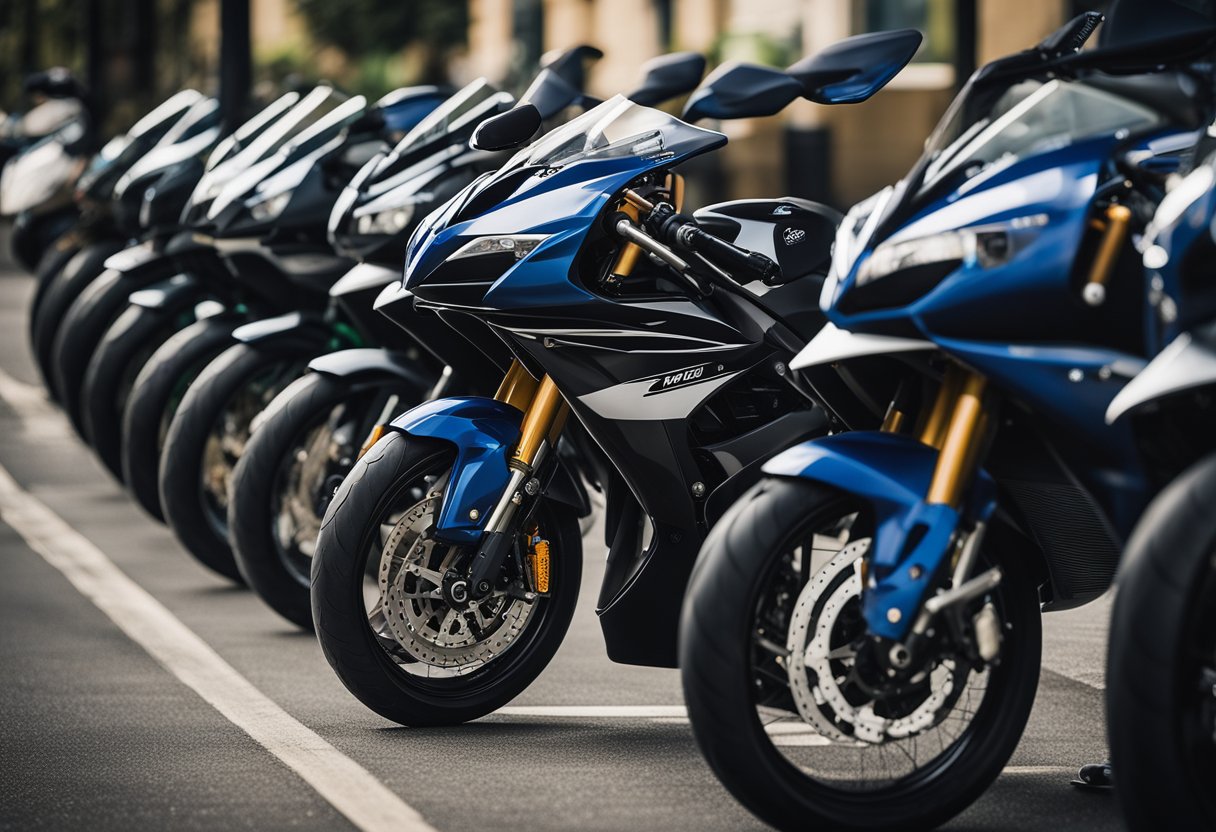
348,787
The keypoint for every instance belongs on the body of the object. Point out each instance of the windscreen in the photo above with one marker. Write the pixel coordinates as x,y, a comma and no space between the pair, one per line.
988,126
449,116
618,127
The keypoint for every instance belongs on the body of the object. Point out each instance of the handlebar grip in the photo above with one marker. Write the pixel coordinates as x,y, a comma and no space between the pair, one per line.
737,261
742,265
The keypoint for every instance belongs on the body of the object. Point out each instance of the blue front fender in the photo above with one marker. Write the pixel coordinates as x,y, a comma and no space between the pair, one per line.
892,473
484,432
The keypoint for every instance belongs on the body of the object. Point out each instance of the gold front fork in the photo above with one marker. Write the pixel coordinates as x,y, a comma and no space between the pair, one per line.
544,410
955,426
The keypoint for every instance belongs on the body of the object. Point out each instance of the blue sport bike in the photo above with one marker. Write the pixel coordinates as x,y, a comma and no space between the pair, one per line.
655,343
860,643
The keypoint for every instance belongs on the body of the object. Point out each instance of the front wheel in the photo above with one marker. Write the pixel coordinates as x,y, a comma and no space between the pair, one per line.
787,700
207,436
380,612
308,440
157,391
1161,665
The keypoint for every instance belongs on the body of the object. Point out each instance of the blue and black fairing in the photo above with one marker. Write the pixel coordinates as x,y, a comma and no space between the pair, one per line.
977,253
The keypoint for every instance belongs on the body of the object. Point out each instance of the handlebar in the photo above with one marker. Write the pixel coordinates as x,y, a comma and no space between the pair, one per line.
683,232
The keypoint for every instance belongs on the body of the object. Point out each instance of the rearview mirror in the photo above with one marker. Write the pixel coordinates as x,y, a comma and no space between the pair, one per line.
1071,36
667,76
736,90
511,129
852,70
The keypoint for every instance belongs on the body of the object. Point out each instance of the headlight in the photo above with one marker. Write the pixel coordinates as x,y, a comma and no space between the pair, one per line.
271,207
986,246
898,272
390,221
521,245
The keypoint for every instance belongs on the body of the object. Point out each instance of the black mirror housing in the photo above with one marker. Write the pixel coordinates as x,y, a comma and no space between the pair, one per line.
668,76
736,90
852,70
507,130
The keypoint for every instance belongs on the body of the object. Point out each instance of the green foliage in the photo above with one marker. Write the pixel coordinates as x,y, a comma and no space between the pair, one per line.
364,27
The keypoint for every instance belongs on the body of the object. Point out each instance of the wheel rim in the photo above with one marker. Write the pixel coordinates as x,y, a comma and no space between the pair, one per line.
307,477
818,719
229,434
407,618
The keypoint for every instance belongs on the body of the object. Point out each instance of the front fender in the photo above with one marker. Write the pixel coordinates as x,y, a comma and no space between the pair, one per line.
891,473
483,431
294,328
366,364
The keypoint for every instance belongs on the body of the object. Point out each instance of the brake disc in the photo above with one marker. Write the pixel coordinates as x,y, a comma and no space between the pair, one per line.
419,618
820,664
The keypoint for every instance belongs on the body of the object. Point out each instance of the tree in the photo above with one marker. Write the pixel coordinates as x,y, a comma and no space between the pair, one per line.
365,29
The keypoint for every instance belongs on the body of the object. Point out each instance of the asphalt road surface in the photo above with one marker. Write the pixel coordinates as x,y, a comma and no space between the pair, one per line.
139,691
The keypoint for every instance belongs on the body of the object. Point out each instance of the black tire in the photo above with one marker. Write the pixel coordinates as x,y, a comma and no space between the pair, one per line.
1163,626
201,523
84,325
49,265
81,270
378,481
716,633
159,388
277,569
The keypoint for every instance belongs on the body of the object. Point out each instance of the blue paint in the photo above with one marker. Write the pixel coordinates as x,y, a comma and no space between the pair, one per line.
483,432
891,473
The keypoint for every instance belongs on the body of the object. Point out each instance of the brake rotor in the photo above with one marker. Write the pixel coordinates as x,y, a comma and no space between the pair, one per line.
420,619
821,660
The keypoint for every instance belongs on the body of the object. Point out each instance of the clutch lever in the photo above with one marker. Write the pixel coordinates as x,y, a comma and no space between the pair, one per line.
624,226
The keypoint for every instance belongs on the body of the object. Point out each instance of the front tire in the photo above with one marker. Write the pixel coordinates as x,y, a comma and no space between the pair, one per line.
158,389
207,435
720,643
308,440
385,479
1161,661
81,270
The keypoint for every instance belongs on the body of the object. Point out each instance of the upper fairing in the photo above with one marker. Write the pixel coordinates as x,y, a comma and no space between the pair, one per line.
541,192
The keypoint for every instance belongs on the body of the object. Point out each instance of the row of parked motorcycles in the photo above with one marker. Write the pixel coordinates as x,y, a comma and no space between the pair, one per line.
843,461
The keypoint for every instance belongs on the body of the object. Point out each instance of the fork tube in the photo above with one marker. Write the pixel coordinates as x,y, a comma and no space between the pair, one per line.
959,453
543,419
933,431
517,387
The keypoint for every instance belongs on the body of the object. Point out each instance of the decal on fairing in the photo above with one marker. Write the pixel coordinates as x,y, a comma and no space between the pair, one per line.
671,395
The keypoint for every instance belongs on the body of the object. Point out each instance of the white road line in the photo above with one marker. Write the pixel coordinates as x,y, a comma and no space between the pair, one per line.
597,711
348,787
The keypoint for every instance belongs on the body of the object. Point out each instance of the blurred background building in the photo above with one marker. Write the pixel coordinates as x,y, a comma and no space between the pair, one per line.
134,53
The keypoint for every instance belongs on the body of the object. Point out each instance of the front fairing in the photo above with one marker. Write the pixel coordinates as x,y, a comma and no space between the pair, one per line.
543,192
1053,191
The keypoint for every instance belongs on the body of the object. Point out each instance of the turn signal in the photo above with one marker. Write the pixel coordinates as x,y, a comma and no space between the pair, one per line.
538,559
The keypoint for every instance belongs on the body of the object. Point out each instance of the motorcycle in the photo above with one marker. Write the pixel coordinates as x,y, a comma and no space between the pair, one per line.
448,562
1161,664
310,435
210,428
169,169
87,193
170,329
860,643
58,129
